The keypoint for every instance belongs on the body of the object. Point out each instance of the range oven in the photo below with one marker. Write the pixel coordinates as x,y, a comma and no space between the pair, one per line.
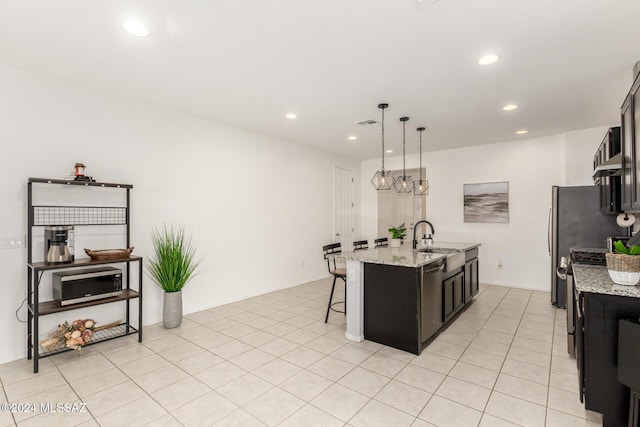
590,256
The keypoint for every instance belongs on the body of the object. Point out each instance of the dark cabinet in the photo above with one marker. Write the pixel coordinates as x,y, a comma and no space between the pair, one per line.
630,120
609,182
453,295
597,354
402,305
471,279
392,306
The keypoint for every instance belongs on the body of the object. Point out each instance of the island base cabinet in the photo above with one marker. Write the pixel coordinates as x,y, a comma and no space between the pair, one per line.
471,279
452,295
392,306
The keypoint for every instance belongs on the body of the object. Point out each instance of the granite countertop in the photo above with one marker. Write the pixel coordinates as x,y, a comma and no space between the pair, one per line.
595,279
407,257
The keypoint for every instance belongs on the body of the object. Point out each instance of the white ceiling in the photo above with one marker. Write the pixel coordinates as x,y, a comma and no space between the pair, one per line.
246,63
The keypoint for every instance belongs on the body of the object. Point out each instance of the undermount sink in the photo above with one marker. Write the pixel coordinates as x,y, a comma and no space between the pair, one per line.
454,260
438,250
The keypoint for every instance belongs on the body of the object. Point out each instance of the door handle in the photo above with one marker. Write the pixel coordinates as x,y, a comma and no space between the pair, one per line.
549,232
338,234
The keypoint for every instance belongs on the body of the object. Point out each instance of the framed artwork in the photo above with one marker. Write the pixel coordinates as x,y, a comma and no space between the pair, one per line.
486,202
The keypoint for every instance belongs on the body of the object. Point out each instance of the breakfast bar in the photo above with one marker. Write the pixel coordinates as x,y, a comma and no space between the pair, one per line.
402,297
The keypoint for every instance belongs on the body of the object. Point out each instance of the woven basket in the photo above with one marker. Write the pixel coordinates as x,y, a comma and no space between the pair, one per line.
109,254
623,269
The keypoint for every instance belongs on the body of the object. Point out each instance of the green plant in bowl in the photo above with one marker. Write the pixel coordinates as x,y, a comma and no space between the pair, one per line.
399,232
622,249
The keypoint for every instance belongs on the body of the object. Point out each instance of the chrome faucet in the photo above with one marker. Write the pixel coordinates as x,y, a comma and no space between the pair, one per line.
415,227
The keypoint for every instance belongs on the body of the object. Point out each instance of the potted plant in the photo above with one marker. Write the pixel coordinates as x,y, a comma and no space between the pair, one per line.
624,264
397,234
172,266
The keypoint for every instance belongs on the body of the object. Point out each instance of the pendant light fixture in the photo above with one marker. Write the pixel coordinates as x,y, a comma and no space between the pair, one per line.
403,184
382,180
421,187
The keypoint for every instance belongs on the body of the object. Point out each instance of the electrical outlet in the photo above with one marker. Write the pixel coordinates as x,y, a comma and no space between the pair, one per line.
499,263
13,242
302,264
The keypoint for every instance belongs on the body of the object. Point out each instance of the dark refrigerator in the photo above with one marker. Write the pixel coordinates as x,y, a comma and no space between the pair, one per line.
575,221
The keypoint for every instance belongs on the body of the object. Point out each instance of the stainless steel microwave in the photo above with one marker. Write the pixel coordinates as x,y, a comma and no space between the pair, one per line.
72,287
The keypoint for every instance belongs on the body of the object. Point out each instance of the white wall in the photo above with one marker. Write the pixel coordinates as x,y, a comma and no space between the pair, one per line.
257,206
531,166
580,147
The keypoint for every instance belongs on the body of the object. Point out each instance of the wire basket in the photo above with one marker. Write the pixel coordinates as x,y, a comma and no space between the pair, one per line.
623,269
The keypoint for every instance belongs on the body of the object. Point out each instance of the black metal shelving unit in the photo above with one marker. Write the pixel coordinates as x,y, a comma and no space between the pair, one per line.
41,215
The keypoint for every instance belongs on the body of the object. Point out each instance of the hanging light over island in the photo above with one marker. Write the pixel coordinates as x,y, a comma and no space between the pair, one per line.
421,187
403,184
382,180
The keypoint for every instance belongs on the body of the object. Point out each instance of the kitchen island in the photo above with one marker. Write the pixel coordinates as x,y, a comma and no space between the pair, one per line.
599,306
402,297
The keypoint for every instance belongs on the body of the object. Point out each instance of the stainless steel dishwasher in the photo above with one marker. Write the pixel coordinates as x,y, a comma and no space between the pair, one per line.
431,299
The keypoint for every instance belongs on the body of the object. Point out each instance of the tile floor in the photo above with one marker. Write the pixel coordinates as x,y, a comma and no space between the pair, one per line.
270,360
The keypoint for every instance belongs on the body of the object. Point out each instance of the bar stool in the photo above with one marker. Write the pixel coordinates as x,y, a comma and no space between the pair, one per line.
329,253
360,245
381,242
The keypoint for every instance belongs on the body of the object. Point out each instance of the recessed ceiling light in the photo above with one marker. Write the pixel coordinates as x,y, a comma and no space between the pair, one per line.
488,59
388,151
521,132
291,116
136,28
510,107
352,138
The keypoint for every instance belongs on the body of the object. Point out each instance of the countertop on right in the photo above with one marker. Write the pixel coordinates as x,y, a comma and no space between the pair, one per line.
595,279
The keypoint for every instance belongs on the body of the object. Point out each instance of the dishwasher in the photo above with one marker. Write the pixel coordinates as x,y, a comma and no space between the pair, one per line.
431,300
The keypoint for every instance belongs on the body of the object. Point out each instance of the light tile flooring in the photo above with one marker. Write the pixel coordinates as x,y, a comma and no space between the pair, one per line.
270,360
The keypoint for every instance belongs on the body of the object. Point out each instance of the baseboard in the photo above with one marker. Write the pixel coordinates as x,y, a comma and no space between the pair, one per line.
356,338
504,285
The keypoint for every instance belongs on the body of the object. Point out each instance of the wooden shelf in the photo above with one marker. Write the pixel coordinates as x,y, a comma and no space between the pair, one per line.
100,336
50,307
84,262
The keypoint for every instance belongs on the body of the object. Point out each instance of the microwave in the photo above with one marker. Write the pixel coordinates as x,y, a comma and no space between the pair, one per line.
72,287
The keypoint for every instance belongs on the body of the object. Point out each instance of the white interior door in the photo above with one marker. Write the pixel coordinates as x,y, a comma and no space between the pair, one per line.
343,207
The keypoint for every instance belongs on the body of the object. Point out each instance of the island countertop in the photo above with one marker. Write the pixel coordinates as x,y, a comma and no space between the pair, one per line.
407,257
595,279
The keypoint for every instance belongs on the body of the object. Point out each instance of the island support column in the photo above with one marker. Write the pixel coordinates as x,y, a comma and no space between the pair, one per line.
355,301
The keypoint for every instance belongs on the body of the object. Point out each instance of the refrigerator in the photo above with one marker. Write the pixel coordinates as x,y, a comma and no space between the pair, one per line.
575,221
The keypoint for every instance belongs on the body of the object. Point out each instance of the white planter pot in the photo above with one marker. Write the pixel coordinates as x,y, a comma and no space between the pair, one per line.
172,310
395,243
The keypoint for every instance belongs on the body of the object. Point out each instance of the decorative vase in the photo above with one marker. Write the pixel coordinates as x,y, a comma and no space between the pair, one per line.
623,269
395,243
172,309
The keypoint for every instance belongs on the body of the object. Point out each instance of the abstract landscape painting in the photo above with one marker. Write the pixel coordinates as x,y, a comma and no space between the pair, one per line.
487,202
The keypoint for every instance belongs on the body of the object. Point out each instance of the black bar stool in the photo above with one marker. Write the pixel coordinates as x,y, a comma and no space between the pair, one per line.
381,242
329,253
360,245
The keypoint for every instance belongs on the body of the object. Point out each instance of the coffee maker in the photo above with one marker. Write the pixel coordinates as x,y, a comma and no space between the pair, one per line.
58,244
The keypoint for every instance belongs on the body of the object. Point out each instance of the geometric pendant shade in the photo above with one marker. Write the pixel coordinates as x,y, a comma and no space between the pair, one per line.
382,180
403,184
421,187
